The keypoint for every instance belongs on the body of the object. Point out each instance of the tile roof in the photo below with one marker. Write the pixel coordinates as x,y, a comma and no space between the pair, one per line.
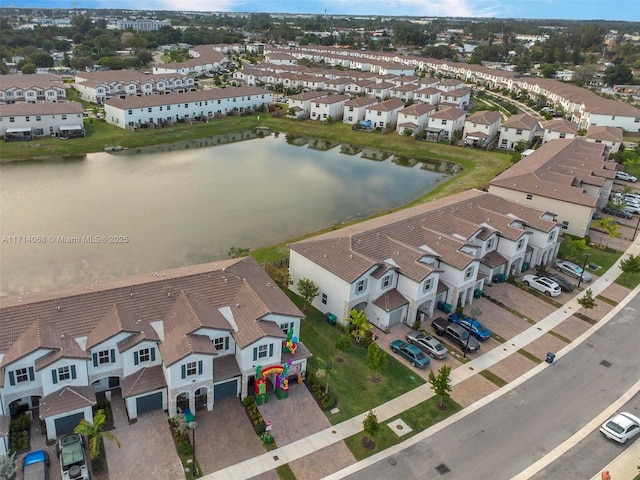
606,133
440,228
41,108
225,367
70,349
560,125
67,399
522,120
237,284
557,169
485,117
390,300
389,105
144,380
449,113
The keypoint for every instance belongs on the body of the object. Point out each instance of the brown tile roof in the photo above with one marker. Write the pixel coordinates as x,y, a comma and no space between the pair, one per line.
485,117
388,105
330,99
493,259
25,82
70,349
144,380
41,108
225,367
117,320
561,125
440,228
522,120
418,109
67,399
449,113
390,300
308,95
75,312
360,102
186,97
557,169
606,133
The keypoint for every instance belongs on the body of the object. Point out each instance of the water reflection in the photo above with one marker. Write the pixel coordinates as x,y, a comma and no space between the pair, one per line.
190,203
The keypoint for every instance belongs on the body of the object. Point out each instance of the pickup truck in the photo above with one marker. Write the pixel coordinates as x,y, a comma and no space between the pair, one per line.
457,333
73,461
35,465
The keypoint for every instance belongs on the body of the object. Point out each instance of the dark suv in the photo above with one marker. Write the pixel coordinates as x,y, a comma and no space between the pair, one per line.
442,326
617,213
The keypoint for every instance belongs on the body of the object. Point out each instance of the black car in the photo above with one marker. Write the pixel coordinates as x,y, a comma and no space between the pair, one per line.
565,285
617,213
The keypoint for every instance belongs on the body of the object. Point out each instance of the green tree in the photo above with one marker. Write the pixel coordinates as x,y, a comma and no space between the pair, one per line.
609,226
587,301
575,247
631,264
377,359
441,383
96,433
325,370
308,291
618,75
371,427
8,466
360,324
237,252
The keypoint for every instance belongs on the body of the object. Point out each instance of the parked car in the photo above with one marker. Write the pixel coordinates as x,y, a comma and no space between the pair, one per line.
621,427
565,285
472,325
617,213
632,208
35,465
428,344
73,461
416,357
572,270
542,284
626,177
442,326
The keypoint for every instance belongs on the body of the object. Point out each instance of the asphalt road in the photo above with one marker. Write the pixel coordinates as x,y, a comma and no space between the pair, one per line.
504,437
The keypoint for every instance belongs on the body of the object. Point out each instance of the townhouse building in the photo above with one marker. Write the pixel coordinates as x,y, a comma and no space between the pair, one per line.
328,107
159,110
356,109
398,267
300,104
96,87
481,128
443,123
570,178
458,98
428,95
414,118
518,128
558,128
32,88
384,114
25,121
612,137
182,338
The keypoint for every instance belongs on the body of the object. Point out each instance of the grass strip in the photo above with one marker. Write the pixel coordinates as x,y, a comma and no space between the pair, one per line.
493,378
529,355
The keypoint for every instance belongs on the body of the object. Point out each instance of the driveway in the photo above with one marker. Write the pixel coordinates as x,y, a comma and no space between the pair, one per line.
297,417
148,450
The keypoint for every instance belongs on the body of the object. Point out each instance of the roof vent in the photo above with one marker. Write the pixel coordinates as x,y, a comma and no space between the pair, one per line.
168,294
238,305
139,321
59,308
131,294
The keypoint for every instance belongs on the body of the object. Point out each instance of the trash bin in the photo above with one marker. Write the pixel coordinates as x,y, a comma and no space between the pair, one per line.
477,293
550,357
330,318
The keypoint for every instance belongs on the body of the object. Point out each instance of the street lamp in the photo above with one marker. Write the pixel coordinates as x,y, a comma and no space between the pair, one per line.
192,426
584,264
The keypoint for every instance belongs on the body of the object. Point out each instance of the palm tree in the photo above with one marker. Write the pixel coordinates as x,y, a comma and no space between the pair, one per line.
96,433
326,369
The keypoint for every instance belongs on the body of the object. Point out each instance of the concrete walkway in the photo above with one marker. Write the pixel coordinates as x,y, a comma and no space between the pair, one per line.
308,445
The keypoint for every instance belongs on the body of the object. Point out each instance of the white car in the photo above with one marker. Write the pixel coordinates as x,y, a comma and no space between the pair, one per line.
572,270
621,427
542,284
625,176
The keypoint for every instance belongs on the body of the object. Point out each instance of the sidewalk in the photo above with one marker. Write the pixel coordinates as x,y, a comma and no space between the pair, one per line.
625,465
329,436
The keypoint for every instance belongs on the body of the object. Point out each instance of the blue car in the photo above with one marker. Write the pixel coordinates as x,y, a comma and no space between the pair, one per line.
415,356
476,328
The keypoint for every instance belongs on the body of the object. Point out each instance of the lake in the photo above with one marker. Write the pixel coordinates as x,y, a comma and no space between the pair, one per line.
107,215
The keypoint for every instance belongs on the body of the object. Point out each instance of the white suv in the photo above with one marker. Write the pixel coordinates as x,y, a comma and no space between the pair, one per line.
625,176
542,284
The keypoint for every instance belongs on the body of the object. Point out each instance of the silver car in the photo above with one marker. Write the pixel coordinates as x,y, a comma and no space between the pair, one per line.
428,344
572,270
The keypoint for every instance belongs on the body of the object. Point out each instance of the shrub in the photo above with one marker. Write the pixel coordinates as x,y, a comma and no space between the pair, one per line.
344,342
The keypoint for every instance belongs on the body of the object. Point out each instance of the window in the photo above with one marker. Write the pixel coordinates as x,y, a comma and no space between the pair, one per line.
262,351
490,243
149,109
27,119
552,236
563,135
22,375
168,107
386,281
130,112
444,122
468,273
218,343
104,357
192,368
143,355
428,284
518,131
565,225
38,118
520,244
361,285
529,196
64,373
324,299
64,117
12,120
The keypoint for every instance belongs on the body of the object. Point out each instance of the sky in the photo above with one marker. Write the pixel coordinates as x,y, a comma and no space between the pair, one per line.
628,10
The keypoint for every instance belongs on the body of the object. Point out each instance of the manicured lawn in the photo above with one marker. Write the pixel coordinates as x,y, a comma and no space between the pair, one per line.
418,418
352,383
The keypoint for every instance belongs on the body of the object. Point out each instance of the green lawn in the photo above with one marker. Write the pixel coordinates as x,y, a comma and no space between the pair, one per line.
352,383
418,418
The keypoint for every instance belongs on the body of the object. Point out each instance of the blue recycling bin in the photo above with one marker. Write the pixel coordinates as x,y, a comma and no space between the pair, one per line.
550,357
